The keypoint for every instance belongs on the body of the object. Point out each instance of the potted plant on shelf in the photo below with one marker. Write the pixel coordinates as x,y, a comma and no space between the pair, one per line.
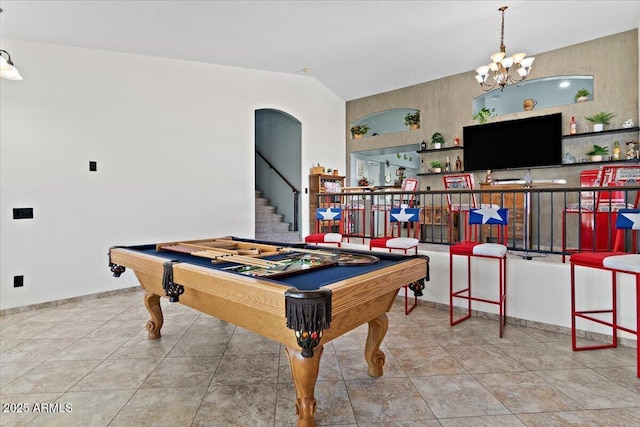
412,120
484,113
437,140
359,130
582,95
597,152
436,166
600,119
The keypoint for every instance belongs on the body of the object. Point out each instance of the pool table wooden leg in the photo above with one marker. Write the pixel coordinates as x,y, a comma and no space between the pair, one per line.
305,374
152,302
372,353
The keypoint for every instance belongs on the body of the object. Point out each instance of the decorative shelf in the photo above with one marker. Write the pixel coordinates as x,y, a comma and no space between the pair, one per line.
435,150
603,132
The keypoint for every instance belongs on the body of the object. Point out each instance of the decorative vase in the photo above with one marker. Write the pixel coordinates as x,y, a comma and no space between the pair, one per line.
528,104
582,99
437,145
596,158
598,127
357,135
436,170
414,127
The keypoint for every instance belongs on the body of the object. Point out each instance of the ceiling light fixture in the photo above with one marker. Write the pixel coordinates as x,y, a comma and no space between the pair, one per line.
7,69
501,66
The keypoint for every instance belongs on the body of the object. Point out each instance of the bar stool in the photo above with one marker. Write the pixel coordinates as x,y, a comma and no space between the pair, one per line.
331,218
617,262
411,217
494,221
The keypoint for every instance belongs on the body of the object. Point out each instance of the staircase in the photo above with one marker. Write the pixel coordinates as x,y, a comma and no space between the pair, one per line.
270,225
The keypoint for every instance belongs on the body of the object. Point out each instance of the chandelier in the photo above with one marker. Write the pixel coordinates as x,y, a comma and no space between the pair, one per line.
7,69
502,66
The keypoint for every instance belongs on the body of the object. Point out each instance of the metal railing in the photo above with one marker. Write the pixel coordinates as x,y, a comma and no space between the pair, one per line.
556,220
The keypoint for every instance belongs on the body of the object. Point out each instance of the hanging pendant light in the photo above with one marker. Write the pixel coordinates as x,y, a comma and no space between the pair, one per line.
7,69
501,68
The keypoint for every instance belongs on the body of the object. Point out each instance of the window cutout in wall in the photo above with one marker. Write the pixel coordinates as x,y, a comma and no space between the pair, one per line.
383,122
534,94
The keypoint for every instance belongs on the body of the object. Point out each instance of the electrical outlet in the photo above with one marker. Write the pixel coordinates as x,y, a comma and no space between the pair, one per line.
18,281
22,213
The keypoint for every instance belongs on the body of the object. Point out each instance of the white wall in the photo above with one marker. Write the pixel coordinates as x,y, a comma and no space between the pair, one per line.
174,143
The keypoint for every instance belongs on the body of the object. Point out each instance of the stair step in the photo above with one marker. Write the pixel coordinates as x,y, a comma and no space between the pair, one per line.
269,218
288,237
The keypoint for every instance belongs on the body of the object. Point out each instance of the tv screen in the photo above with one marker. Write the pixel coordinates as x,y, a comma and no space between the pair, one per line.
523,143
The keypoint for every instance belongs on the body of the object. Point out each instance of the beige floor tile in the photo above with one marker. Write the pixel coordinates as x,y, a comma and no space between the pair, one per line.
483,421
207,325
238,405
12,370
237,369
36,350
483,358
537,356
25,330
70,329
250,343
114,374
590,389
51,377
140,346
183,372
620,417
160,407
90,349
387,399
568,418
526,392
450,396
426,361
201,345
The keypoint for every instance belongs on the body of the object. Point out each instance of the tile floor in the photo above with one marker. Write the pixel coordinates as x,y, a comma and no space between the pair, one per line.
94,360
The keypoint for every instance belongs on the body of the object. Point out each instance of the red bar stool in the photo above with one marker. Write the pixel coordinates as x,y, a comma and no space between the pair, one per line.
617,262
331,220
494,222
399,216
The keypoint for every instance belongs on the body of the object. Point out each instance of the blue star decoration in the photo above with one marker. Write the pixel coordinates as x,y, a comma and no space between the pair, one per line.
329,214
404,215
488,216
628,219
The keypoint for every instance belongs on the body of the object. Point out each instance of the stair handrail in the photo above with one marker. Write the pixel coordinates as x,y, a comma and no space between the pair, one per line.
296,191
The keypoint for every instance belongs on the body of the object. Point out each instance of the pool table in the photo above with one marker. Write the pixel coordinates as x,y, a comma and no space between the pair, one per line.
302,310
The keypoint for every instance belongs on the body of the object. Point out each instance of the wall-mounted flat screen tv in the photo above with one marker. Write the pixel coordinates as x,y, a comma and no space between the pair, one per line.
522,143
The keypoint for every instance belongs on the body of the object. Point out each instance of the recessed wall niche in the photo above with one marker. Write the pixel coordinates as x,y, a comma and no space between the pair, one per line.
542,93
387,121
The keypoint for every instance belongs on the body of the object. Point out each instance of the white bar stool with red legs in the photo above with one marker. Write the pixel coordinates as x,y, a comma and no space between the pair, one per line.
329,219
494,223
617,262
399,216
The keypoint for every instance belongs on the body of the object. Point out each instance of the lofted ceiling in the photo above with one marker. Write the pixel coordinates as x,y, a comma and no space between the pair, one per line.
355,48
